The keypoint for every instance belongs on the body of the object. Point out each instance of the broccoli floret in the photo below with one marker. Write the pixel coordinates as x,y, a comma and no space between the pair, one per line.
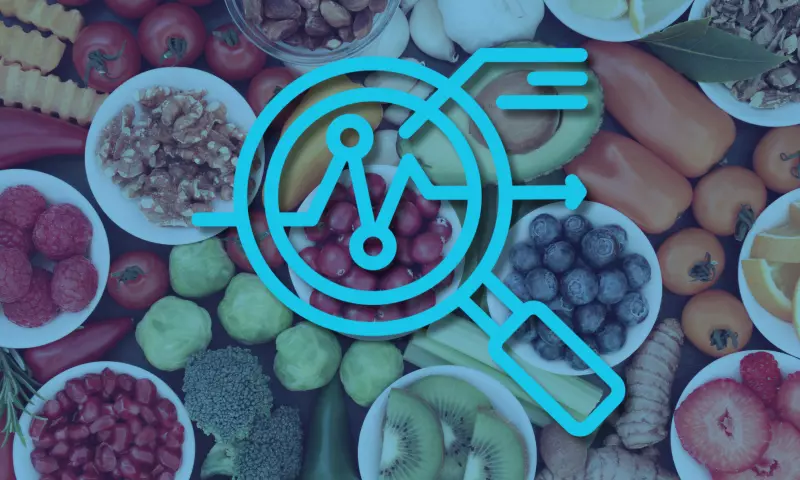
226,391
273,451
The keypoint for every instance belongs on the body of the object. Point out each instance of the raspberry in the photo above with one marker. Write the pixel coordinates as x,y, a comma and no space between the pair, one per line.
21,206
36,308
62,231
74,284
761,374
15,274
12,236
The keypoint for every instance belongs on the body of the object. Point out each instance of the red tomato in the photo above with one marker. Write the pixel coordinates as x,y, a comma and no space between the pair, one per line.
138,279
196,3
132,9
106,55
172,35
232,56
73,3
265,243
265,86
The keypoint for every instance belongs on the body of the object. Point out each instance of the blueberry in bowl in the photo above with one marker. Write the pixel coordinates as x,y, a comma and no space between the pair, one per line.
542,284
559,256
610,337
561,305
589,318
548,351
574,360
545,333
575,227
515,282
579,286
637,270
544,230
599,247
619,233
613,285
524,257
632,310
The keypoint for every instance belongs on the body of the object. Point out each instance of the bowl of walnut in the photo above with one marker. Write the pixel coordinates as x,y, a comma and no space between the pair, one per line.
165,146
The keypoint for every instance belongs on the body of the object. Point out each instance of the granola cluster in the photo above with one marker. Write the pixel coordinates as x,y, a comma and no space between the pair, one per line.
176,156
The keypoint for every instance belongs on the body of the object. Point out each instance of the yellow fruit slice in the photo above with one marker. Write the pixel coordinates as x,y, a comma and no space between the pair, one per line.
602,9
796,309
794,214
779,244
644,14
773,285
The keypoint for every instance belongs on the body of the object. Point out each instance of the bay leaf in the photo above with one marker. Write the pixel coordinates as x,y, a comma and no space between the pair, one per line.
705,53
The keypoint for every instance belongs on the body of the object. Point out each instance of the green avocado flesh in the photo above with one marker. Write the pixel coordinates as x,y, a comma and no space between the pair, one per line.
554,138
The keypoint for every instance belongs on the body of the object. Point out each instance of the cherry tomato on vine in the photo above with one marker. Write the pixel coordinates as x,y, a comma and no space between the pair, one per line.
132,9
138,279
196,3
73,3
232,56
265,86
106,55
172,35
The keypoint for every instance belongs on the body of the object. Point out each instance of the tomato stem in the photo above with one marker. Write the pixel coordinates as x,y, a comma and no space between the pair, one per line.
744,222
719,339
128,274
176,48
230,36
96,61
704,271
795,156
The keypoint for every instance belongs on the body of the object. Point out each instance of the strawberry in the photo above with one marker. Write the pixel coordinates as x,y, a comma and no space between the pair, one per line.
780,461
788,402
760,372
724,426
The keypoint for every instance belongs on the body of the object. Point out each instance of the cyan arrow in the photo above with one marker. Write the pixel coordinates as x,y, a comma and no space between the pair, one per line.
573,192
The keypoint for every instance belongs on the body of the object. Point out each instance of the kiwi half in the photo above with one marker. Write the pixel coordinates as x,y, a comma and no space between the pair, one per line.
413,443
456,403
497,451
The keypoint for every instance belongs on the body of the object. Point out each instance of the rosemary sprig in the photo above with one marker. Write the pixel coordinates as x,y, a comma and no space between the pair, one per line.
16,390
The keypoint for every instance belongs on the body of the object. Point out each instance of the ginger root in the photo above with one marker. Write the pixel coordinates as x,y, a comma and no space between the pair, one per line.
612,461
649,380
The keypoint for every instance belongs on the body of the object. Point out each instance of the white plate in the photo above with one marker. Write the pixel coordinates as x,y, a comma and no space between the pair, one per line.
724,99
56,191
598,215
725,367
779,333
23,468
298,237
619,30
125,212
505,404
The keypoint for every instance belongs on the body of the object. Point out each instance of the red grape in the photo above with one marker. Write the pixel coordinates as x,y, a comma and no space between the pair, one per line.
334,261
310,255
419,304
373,247
407,220
427,208
338,194
396,277
388,312
360,279
428,268
426,247
409,195
403,255
342,217
442,227
359,313
344,240
327,304
376,186
319,232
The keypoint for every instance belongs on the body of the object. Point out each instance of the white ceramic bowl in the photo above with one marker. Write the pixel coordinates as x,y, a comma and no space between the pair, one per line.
505,404
599,215
126,212
56,191
299,241
779,333
724,99
725,367
23,468
618,30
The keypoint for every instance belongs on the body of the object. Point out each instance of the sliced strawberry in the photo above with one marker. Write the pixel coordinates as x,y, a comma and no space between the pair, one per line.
781,460
724,426
761,374
788,402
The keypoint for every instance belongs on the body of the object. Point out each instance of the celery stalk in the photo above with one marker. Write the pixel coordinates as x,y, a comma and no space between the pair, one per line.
466,337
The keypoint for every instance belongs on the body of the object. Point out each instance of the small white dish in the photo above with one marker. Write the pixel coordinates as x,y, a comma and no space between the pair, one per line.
56,191
125,212
505,404
725,367
298,238
598,215
784,116
23,468
780,333
617,30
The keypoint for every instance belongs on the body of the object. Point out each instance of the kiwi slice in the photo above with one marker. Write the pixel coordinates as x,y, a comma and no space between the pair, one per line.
413,443
497,451
456,402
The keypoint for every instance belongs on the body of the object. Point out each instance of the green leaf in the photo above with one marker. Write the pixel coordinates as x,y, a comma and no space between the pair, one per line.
705,53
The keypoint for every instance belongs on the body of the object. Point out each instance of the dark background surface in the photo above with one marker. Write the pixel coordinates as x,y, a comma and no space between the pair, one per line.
71,169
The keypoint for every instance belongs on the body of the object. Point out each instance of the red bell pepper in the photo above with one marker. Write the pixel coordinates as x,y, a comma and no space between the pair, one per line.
85,345
6,453
26,136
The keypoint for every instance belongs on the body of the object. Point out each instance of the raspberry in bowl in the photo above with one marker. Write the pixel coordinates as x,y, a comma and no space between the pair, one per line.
54,259
106,419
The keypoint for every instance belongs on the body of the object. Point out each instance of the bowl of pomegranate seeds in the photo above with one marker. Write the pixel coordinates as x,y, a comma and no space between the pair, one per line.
105,420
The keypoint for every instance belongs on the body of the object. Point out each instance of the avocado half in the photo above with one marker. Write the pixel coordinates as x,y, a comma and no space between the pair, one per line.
576,128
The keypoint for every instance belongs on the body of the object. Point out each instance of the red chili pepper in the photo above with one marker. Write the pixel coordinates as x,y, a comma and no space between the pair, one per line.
26,136
6,453
88,344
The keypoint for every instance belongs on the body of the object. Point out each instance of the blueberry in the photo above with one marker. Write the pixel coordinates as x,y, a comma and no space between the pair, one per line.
548,335
599,248
633,309
524,257
610,337
579,286
559,256
637,270
548,351
574,360
516,283
544,230
589,318
560,304
527,333
613,286
542,284
575,227
619,233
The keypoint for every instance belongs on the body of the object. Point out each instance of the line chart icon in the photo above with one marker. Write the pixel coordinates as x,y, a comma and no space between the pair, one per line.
409,170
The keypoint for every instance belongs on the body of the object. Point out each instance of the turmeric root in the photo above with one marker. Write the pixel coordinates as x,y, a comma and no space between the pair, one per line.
45,16
612,461
30,49
649,380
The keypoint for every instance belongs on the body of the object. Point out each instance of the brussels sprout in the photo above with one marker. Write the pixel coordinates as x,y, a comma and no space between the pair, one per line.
250,313
200,269
368,368
308,357
171,331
